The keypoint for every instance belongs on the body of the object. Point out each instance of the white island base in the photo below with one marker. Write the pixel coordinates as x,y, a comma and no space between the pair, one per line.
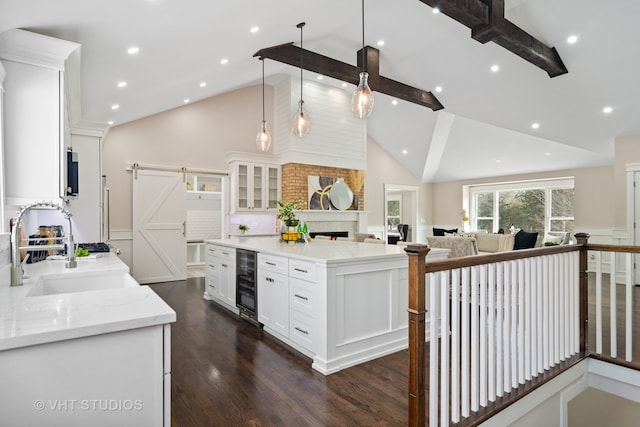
340,303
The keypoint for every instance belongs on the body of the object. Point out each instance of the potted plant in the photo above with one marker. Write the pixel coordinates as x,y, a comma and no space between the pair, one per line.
243,228
286,212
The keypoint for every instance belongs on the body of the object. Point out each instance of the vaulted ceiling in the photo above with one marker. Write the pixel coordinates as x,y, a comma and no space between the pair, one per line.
485,128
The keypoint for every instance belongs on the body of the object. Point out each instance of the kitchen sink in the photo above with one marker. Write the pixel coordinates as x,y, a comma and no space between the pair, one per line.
71,283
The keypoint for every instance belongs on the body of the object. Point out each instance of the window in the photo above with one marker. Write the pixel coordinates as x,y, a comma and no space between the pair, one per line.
541,206
394,214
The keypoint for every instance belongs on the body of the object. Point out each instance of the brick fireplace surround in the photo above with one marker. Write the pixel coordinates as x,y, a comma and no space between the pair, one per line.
295,186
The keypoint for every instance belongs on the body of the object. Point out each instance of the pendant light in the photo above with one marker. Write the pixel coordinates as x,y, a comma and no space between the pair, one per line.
301,122
263,138
362,99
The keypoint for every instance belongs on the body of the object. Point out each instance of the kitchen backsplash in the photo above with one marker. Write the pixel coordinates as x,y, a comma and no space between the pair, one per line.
258,223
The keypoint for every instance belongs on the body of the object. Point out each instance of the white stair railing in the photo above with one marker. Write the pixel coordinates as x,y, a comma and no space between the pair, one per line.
500,325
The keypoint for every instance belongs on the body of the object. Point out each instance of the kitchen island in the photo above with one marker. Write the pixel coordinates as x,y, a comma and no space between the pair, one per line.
84,346
340,303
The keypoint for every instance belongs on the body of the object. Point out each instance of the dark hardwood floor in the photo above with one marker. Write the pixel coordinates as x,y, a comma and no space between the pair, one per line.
225,372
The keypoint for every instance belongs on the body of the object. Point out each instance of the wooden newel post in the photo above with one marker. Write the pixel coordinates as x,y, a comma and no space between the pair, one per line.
583,240
417,404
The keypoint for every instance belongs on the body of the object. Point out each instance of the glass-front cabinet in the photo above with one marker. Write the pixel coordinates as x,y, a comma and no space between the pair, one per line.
256,185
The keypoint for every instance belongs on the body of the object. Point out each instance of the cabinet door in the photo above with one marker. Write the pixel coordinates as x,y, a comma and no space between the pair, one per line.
228,276
32,127
243,192
258,186
272,186
273,301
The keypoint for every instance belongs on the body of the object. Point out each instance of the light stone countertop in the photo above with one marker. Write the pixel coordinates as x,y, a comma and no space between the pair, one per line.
323,251
29,320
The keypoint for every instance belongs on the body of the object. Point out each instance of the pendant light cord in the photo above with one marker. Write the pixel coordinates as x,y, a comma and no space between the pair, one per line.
262,59
301,25
363,67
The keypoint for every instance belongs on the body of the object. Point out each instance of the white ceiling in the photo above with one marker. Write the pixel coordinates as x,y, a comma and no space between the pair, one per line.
487,116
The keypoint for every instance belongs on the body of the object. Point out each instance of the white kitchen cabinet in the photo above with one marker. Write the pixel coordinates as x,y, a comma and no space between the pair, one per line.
36,125
255,186
3,74
220,276
273,293
118,378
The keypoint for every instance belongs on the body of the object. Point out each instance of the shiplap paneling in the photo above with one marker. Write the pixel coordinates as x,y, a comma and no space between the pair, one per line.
336,137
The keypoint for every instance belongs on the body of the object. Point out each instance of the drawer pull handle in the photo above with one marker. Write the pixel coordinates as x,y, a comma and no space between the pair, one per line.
269,279
301,270
270,263
301,297
225,253
302,330
225,265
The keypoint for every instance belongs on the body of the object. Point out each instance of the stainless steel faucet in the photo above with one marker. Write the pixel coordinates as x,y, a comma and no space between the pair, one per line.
16,265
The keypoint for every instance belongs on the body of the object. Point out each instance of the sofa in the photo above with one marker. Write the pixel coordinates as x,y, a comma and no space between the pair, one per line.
480,243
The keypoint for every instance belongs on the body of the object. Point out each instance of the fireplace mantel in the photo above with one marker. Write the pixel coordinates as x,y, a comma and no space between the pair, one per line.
334,220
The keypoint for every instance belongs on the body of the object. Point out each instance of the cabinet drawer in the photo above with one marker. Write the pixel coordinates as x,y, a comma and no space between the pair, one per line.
222,252
227,254
302,330
273,263
302,270
303,296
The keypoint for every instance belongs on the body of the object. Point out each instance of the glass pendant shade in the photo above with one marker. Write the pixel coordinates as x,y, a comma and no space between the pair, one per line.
362,99
301,123
263,138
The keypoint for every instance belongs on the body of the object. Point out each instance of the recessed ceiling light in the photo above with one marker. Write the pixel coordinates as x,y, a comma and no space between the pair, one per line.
115,106
380,43
404,151
572,39
122,84
548,153
254,30
203,84
607,110
495,68
344,84
133,50
320,77
394,102
110,122
186,101
436,10
224,61
498,161
438,89
535,125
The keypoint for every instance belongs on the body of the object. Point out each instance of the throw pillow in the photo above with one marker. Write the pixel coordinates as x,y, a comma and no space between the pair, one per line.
525,240
441,231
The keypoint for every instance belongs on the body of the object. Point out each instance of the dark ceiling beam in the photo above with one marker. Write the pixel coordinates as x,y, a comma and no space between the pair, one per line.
486,20
371,64
290,54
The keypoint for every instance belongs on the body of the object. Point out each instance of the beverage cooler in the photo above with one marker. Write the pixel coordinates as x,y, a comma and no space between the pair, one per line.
246,293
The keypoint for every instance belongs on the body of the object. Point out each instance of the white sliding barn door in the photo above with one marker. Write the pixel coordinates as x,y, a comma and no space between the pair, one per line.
159,215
